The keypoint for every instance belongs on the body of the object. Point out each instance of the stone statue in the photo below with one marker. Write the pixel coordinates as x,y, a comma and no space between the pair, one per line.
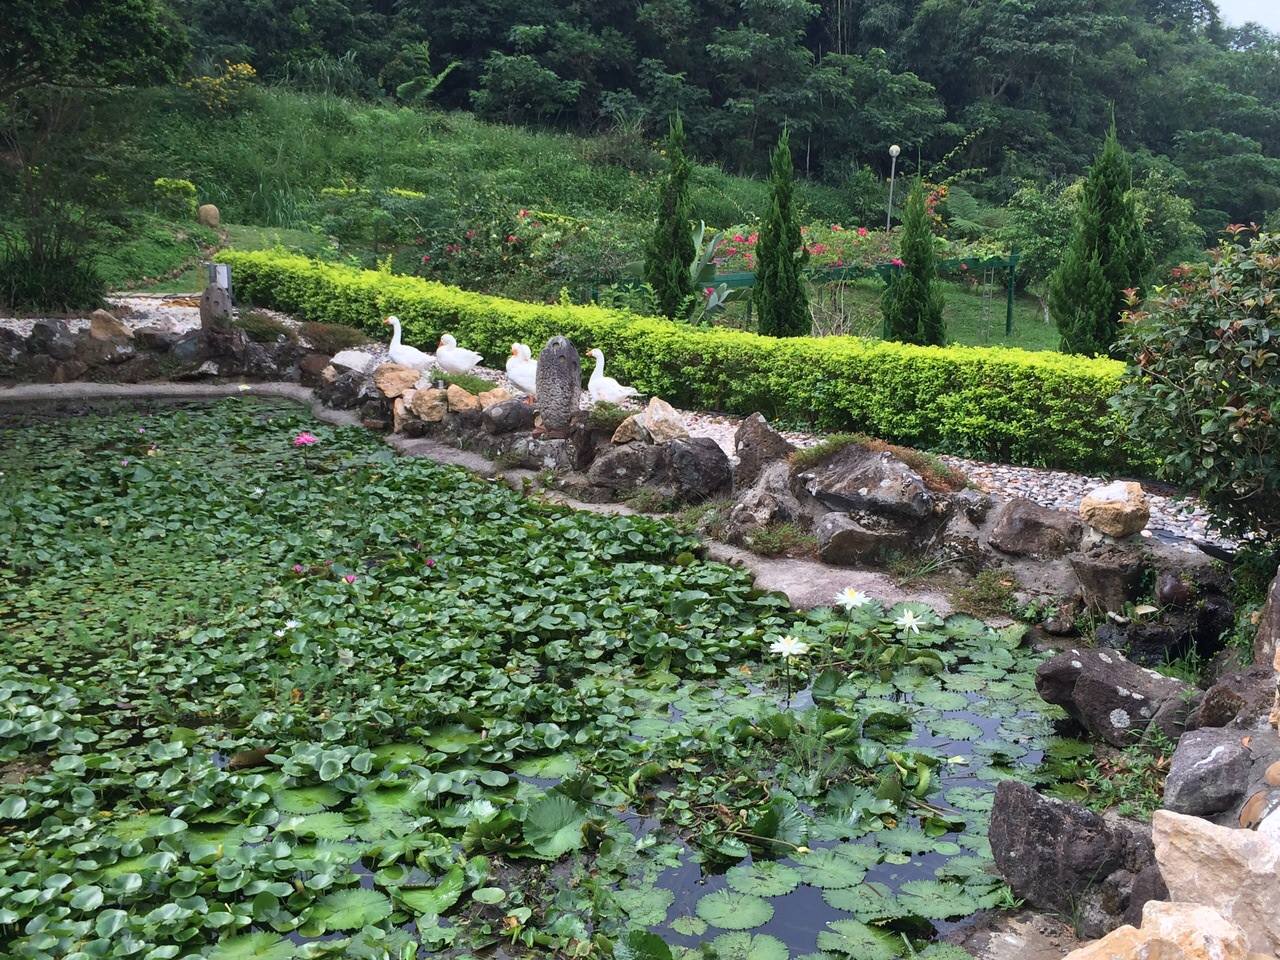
215,308
559,385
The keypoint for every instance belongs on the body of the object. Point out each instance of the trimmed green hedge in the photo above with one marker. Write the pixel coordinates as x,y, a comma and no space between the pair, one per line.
1010,405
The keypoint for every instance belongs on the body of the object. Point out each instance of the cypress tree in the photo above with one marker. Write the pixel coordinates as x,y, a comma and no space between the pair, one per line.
1107,254
779,294
913,302
669,252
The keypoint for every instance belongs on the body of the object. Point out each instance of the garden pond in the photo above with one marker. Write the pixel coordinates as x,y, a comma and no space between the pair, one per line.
262,698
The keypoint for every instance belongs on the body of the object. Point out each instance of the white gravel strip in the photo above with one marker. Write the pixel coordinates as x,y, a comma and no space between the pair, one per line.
1171,517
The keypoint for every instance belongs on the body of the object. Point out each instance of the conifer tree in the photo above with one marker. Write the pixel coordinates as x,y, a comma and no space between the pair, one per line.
780,300
1107,255
913,302
669,252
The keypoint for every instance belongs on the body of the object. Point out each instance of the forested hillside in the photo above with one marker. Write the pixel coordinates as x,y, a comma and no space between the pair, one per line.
1013,92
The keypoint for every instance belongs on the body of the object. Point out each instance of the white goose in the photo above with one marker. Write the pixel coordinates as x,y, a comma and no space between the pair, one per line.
453,358
402,353
606,389
522,369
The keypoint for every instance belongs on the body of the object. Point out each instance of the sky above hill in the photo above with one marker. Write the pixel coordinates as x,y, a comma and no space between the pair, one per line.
1265,12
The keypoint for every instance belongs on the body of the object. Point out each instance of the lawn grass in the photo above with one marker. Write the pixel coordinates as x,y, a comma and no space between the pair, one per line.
129,270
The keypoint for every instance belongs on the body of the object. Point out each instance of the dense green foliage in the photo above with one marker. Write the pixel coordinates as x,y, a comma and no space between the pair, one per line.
1010,404
778,295
1027,88
1204,389
669,254
263,701
913,299
1106,260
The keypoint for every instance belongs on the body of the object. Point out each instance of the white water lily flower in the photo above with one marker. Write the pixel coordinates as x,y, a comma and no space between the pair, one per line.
280,632
909,622
851,599
789,647
292,624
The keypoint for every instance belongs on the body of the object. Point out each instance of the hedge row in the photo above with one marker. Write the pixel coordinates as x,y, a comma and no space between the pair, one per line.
1009,405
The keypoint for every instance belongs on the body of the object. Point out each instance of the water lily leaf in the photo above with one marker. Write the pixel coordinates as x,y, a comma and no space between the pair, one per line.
645,906
971,798
730,910
551,767
254,946
643,945
954,728
400,753
940,699
350,909
763,878
453,739
553,826
307,799
868,902
433,901
836,867
145,825
906,840
854,939
324,826
689,926
936,899
745,946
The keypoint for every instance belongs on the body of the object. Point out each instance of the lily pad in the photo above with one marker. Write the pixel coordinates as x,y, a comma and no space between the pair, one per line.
741,945
763,878
350,909
254,946
730,910
851,938
553,826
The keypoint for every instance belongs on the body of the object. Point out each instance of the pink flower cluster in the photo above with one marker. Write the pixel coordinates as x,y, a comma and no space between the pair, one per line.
305,439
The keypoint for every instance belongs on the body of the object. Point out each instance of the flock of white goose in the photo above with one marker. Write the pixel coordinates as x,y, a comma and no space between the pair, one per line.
522,369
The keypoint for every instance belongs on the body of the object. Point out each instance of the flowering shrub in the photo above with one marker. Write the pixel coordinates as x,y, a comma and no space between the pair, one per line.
1205,385
1015,405
833,245
226,92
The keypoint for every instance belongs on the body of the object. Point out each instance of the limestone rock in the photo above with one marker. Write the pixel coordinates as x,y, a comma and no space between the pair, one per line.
756,445
96,353
769,500
1231,870
493,397
1238,699
1171,931
662,421
558,385
394,379
1110,576
348,390
157,338
625,468
857,479
1111,697
1062,856
215,308
1025,529
401,413
191,347
1118,509
1209,772
461,401
311,368
429,405
507,417
104,326
357,360
631,430
209,215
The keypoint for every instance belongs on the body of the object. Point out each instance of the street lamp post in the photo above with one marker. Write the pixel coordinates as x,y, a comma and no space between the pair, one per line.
893,169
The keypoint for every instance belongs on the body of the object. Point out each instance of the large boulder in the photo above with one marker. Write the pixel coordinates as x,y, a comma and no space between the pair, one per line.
846,539
1266,642
348,390
627,467
1113,698
1110,576
1022,528
104,326
507,417
1061,856
698,469
1118,509
462,401
1172,931
1209,772
631,430
1233,871
857,479
52,338
768,501
1239,699
756,445
428,405
156,338
94,352
360,361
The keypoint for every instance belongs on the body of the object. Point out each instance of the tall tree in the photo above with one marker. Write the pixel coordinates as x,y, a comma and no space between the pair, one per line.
1107,255
780,300
669,252
912,301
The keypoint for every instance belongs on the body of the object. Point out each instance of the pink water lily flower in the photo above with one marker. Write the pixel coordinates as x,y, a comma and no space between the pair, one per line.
298,568
349,577
304,439
897,262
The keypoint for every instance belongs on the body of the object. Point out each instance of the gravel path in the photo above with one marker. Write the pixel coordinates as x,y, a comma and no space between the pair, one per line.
1172,517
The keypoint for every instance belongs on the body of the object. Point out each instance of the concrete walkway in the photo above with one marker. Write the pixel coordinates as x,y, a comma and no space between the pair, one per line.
806,583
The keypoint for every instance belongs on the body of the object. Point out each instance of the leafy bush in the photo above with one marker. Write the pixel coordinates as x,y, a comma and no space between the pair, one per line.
263,328
331,337
175,198
1205,388
53,277
1014,405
